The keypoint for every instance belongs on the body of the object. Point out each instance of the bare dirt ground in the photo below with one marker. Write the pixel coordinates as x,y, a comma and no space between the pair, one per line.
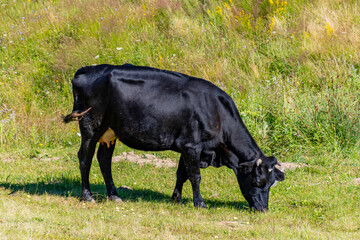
7,160
145,159
291,166
167,162
357,181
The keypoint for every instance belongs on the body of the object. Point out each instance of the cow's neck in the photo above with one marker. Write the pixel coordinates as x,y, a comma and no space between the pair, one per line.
243,144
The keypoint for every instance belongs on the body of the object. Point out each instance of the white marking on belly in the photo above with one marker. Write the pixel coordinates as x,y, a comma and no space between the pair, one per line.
108,137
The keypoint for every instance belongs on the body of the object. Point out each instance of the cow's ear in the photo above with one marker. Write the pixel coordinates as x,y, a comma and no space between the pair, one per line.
272,161
279,175
246,167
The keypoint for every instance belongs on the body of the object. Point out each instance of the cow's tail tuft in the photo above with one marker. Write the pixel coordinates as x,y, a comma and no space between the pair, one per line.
68,118
74,116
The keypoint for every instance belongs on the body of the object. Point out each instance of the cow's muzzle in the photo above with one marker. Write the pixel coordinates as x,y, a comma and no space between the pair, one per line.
261,209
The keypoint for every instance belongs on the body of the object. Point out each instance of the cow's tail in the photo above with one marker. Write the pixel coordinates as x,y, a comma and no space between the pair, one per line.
75,116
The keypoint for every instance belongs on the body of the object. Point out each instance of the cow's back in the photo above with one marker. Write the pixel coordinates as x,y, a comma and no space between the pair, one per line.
152,109
148,107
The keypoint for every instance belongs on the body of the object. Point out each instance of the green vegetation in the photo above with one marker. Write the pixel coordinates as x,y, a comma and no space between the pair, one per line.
292,68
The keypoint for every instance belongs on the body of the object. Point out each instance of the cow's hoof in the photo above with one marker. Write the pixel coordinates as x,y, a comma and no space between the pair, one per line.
89,199
176,197
115,199
200,204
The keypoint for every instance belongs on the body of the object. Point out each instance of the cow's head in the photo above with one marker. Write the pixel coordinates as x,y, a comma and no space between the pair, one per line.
255,179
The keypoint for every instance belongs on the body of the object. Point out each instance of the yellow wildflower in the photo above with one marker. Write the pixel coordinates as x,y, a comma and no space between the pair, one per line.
249,24
271,25
279,10
218,10
306,35
329,30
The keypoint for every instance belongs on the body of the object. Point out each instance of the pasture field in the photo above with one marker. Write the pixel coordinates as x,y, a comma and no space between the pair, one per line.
39,200
292,68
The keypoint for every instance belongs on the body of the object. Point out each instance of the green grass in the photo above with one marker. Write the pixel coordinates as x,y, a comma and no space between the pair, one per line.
292,68
39,200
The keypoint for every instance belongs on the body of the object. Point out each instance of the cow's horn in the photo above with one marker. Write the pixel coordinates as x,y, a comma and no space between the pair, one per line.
278,163
258,162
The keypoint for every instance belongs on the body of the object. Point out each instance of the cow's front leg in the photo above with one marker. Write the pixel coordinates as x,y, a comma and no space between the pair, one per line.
181,178
192,165
104,156
85,155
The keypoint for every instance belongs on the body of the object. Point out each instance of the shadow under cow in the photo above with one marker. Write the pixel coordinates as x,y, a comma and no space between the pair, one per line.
72,187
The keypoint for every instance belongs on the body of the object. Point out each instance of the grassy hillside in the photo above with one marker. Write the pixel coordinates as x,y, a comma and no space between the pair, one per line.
292,68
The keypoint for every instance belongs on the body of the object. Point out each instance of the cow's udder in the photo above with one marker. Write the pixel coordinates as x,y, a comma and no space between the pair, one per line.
108,137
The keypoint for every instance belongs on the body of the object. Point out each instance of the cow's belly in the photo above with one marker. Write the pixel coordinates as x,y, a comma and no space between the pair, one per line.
146,133
140,141
146,143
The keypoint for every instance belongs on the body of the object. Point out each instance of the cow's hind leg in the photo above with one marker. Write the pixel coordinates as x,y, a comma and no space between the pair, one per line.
85,155
191,157
181,178
104,156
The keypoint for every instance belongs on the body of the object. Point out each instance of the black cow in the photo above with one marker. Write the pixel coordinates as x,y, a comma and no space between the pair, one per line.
151,109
